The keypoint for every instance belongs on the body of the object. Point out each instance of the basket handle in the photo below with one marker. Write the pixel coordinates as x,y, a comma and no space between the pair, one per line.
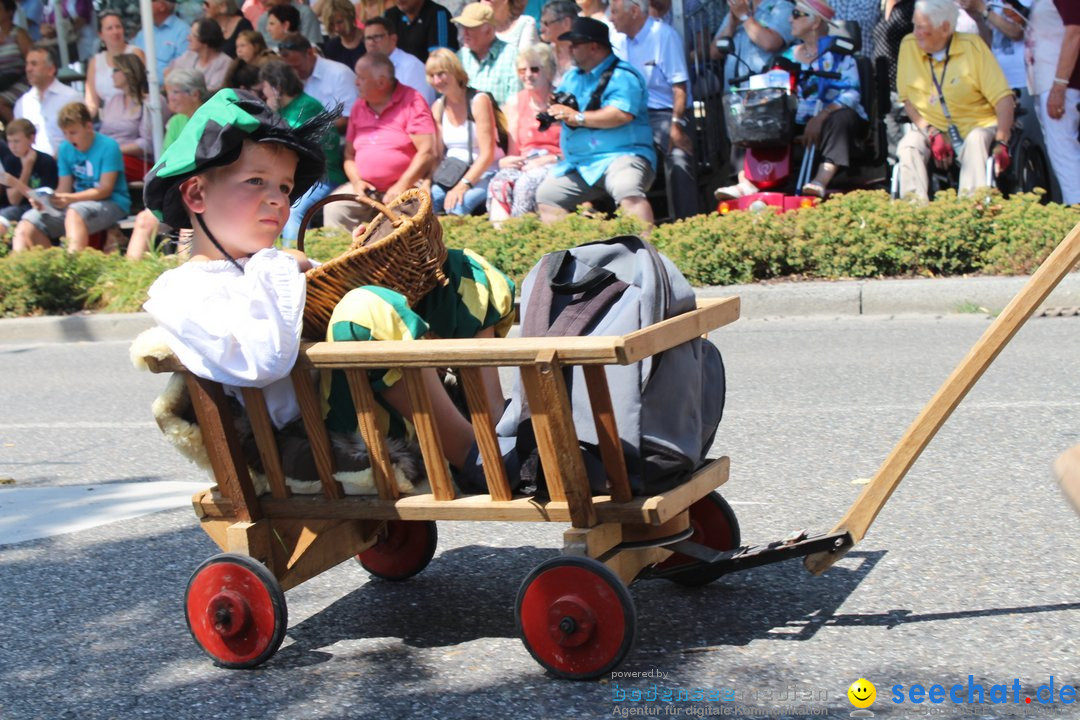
358,199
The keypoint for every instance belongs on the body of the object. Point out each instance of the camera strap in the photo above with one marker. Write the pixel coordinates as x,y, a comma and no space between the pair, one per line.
601,86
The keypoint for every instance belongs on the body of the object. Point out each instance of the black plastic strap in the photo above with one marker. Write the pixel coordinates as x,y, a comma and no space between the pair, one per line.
210,235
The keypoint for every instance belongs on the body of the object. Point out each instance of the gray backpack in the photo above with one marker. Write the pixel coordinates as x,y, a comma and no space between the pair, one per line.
613,287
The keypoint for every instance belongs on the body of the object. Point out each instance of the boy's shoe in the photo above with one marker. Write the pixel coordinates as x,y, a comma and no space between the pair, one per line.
1067,471
736,191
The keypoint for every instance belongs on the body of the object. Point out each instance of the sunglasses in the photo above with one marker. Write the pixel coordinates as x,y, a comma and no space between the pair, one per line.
799,14
532,68
375,37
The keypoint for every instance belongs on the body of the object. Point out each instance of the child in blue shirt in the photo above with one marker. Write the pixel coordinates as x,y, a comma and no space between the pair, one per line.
91,195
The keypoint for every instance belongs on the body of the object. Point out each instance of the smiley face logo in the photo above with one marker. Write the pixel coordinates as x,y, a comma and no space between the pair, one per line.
862,693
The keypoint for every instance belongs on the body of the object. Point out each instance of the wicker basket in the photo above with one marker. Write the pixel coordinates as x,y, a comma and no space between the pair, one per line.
401,249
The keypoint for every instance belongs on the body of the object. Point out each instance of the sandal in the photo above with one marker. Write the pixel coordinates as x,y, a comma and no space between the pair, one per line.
814,189
736,191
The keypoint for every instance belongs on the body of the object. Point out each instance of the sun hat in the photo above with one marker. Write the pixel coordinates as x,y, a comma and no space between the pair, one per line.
587,29
474,15
818,8
214,136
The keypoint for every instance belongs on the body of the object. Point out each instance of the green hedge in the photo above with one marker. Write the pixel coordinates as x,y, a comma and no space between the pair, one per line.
857,235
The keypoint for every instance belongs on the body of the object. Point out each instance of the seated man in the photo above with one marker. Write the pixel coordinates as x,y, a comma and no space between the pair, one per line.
953,90
389,144
490,63
607,143
381,37
329,82
91,194
43,100
655,50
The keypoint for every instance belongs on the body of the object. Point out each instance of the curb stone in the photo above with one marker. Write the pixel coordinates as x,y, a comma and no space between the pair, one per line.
936,296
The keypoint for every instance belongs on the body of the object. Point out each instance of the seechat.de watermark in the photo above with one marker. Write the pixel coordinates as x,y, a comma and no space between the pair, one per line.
972,692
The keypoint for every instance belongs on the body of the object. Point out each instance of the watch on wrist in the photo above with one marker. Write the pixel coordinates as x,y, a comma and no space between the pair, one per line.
680,121
743,18
986,13
466,182
579,119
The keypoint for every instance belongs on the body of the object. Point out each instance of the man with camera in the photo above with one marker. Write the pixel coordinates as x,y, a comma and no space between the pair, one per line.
606,138
957,100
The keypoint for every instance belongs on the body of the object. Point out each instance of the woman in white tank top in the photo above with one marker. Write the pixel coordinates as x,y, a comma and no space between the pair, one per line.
451,111
99,86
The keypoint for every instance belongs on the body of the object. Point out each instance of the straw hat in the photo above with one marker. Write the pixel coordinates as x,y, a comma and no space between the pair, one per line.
817,8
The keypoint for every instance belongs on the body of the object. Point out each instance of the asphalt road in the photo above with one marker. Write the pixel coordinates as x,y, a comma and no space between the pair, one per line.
972,568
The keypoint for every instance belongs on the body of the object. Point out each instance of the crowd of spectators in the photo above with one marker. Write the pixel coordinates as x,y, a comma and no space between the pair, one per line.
495,109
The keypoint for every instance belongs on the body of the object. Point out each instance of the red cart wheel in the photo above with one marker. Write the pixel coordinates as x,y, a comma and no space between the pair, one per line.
576,617
716,527
235,611
405,548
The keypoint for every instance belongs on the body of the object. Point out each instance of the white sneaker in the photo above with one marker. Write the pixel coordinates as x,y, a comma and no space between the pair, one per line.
736,191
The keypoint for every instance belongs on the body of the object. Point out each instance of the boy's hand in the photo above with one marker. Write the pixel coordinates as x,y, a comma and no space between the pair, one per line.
301,258
61,200
358,231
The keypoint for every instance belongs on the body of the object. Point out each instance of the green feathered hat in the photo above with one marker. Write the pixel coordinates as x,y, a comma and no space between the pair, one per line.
214,136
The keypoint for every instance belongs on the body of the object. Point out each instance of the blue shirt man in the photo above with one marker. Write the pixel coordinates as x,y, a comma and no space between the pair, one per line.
589,151
170,35
607,146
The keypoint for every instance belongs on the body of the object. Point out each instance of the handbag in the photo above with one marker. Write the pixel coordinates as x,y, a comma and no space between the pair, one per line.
450,172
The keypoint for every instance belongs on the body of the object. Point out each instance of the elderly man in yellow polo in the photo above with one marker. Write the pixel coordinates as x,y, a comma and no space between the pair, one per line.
960,106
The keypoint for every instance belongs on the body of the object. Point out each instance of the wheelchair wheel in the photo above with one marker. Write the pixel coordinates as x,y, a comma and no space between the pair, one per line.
1030,169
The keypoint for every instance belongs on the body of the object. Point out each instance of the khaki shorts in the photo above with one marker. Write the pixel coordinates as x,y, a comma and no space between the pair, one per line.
627,176
97,214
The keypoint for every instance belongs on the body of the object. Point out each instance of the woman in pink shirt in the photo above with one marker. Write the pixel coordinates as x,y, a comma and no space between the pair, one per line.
532,152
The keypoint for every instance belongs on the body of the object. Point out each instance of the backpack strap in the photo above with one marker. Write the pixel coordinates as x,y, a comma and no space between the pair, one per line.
582,311
595,293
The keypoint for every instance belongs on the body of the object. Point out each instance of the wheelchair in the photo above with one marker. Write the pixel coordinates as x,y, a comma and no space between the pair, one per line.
1028,171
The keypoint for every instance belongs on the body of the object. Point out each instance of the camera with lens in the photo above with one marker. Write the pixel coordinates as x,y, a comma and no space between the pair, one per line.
546,120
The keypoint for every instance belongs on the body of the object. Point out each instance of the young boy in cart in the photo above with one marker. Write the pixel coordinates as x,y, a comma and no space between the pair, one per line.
233,312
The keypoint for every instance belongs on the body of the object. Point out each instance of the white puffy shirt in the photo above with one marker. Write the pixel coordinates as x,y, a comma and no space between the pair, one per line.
241,329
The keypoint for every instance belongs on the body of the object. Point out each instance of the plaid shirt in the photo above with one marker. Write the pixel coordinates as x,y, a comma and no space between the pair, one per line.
495,74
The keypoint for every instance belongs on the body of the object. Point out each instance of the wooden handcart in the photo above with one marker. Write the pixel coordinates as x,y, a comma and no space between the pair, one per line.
574,611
